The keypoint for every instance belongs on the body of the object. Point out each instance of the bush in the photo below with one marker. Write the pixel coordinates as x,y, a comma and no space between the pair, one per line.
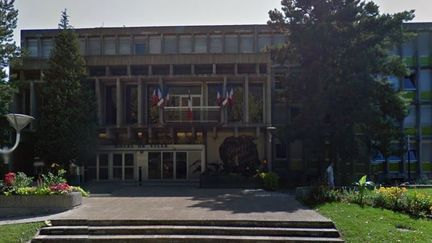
270,180
22,180
53,179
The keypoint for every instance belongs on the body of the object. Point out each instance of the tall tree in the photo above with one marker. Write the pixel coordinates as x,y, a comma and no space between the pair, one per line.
66,127
341,49
8,51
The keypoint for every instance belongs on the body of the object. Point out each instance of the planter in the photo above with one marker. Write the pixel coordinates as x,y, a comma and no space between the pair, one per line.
229,181
17,205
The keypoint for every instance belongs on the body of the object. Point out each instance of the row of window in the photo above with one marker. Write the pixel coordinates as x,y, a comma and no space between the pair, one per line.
157,44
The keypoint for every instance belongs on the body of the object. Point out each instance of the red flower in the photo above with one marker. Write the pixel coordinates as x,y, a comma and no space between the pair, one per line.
9,179
61,187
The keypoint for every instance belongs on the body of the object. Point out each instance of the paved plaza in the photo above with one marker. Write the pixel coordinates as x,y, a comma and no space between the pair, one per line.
188,203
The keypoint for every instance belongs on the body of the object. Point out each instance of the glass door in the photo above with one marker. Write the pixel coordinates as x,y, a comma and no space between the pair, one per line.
154,165
167,165
181,165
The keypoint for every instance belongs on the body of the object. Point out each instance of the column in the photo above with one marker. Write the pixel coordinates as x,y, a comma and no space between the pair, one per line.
246,99
119,102
140,101
32,102
99,101
268,121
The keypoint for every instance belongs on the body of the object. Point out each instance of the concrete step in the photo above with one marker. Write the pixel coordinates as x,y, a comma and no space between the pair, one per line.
232,223
188,230
175,238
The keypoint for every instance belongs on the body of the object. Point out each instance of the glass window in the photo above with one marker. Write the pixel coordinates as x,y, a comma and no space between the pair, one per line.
155,45
153,109
426,115
214,94
117,166
216,43
140,45
124,45
47,46
32,47
246,43
94,46
110,105
82,44
255,103
200,43
181,165
170,44
103,166
394,81
278,39
109,46
131,104
426,155
231,44
281,150
425,80
410,118
423,44
408,49
185,44
263,42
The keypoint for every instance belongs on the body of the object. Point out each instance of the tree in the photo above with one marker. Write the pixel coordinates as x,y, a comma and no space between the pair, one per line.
67,124
8,52
340,50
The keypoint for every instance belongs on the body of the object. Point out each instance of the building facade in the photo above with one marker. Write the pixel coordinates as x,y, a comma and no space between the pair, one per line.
159,92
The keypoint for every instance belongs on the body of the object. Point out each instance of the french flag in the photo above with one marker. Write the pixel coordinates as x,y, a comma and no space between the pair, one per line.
229,98
219,98
189,111
154,98
161,99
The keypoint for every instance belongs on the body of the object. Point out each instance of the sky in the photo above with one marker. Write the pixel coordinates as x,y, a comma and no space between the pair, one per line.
43,14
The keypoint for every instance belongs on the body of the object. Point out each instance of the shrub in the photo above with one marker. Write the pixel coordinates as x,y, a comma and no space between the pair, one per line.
61,188
391,198
270,180
363,185
22,180
53,179
80,190
9,179
419,204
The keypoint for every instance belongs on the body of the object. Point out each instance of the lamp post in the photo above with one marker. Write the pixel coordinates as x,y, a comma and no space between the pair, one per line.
270,130
18,122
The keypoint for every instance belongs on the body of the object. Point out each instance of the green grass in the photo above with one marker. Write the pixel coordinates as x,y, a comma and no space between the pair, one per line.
18,232
427,191
369,224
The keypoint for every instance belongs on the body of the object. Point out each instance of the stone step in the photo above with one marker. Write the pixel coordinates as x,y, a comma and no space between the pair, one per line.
188,230
233,223
175,238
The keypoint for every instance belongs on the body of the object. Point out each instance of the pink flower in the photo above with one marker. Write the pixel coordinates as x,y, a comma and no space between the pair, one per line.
61,188
9,179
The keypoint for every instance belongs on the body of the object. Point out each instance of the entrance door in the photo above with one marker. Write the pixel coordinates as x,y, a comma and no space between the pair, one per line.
167,165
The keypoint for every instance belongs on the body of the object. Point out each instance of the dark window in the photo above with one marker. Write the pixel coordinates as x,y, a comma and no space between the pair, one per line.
118,71
137,70
204,69
141,45
111,107
225,68
279,81
160,69
409,82
131,104
246,69
281,151
263,68
182,69
97,71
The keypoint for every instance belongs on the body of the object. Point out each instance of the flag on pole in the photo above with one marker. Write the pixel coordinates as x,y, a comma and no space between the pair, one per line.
225,99
218,98
160,98
231,97
154,98
189,111
167,96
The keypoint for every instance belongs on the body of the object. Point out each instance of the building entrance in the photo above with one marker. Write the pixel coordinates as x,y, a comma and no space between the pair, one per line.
167,165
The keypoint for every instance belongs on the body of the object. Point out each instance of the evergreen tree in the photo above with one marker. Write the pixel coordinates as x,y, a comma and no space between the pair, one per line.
66,127
341,52
8,51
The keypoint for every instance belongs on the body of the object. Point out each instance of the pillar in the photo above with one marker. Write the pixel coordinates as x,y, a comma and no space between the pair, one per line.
119,102
140,101
99,101
246,99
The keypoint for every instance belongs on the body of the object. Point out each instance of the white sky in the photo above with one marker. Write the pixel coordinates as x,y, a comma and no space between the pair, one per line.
42,14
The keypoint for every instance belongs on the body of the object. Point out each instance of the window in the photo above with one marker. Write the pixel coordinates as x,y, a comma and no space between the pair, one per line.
263,68
117,163
32,47
155,45
246,68
185,44
124,45
103,167
263,42
204,69
118,70
246,43
426,115
109,46
200,44
225,68
256,103
216,43
423,44
182,69
131,103
110,105
235,109
153,110
137,70
212,93
394,81
425,80
140,45
97,71
409,82
82,45
410,118
231,44
408,49
280,150
160,69
94,46
170,44
278,39
47,45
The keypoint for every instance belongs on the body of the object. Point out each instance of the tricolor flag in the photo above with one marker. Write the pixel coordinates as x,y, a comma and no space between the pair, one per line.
219,98
160,98
189,111
154,98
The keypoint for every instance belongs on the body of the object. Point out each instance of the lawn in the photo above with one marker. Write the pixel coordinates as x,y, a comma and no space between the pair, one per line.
369,224
18,232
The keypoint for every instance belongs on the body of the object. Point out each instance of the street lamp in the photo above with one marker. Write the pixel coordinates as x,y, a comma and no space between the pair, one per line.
18,122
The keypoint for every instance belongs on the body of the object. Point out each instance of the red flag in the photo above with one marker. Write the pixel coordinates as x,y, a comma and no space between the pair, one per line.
189,112
154,98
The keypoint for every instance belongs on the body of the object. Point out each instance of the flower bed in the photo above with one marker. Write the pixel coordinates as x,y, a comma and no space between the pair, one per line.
52,194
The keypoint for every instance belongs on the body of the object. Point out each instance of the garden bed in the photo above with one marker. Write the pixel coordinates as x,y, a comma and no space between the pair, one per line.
229,181
24,205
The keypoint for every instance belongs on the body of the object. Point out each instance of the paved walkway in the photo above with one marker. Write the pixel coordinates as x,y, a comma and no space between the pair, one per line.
187,203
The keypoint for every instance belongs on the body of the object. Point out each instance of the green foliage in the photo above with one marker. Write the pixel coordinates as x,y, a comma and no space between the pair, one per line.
363,185
83,192
340,53
66,129
270,180
19,232
22,180
54,178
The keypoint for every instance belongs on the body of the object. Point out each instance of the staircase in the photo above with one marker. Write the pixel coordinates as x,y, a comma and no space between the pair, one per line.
187,231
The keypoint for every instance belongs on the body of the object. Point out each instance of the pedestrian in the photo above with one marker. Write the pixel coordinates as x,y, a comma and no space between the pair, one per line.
330,175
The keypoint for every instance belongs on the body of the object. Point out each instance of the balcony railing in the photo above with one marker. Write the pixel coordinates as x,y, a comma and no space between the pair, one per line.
199,114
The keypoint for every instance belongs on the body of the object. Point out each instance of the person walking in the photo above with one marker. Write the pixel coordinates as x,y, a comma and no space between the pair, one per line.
330,175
